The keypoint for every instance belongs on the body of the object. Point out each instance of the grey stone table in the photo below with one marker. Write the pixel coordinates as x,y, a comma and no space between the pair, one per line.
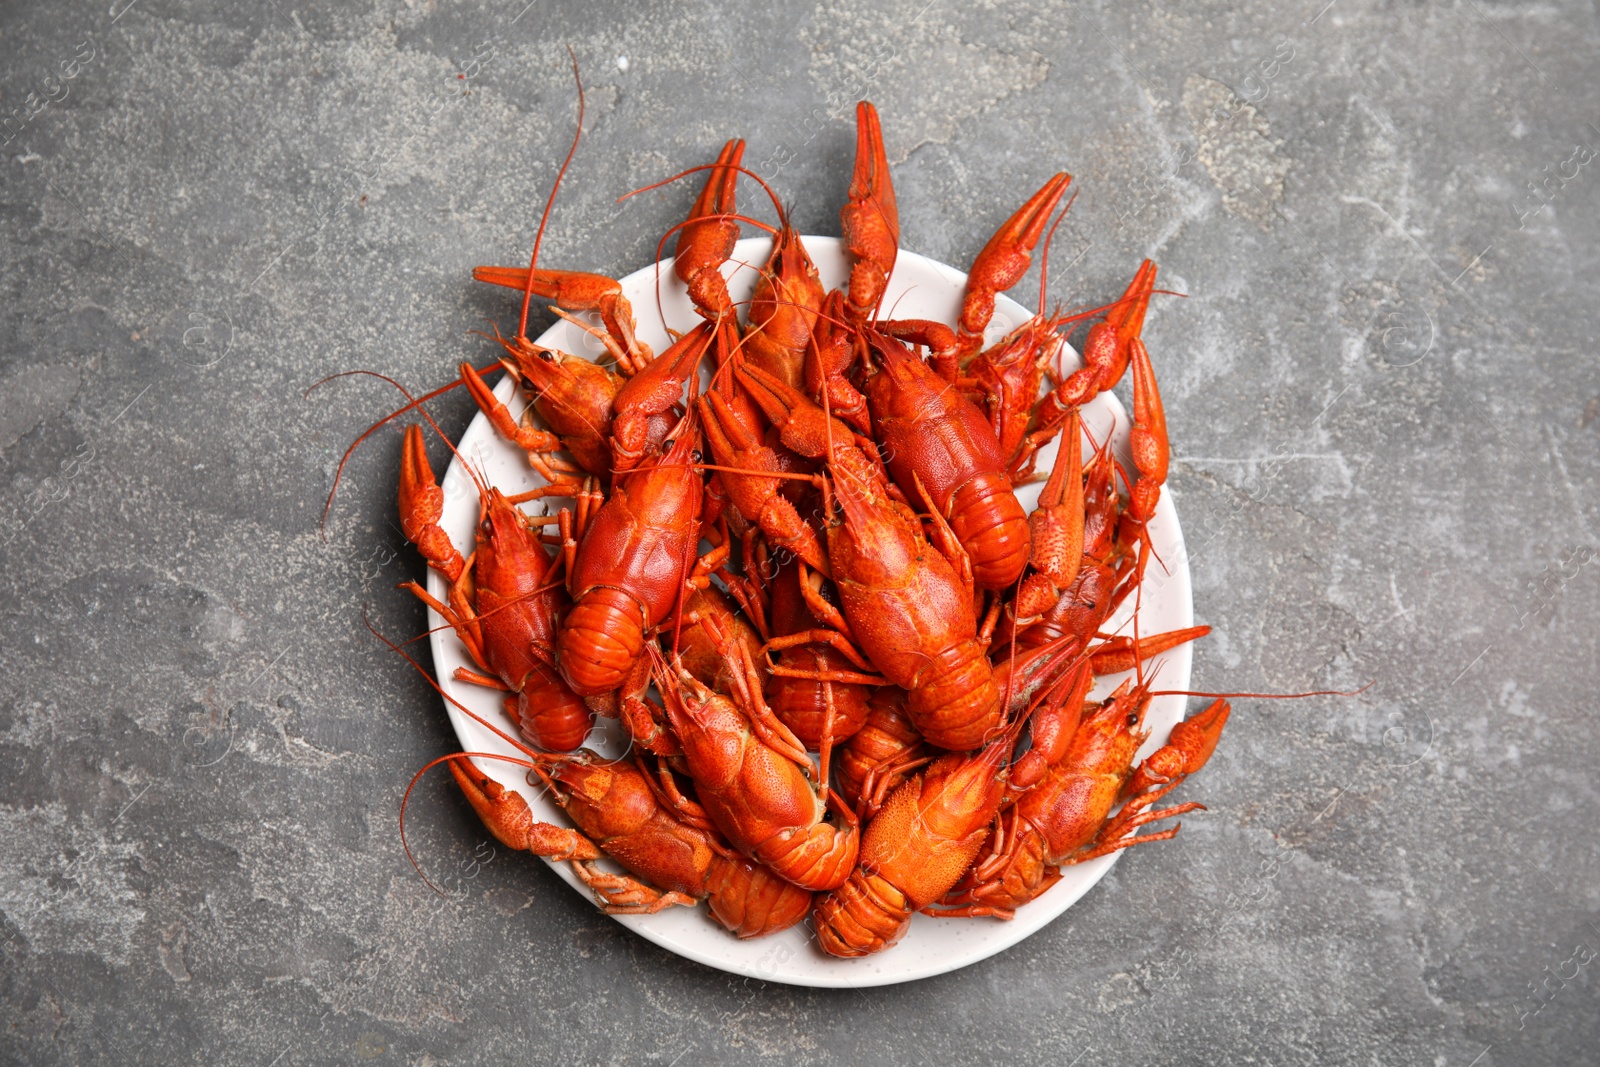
1382,389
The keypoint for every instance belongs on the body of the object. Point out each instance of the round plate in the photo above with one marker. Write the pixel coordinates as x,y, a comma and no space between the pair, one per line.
922,289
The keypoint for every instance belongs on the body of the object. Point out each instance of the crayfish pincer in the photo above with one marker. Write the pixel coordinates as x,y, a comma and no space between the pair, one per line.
620,815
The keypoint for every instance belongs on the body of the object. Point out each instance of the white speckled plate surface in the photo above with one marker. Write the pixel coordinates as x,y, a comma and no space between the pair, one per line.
920,288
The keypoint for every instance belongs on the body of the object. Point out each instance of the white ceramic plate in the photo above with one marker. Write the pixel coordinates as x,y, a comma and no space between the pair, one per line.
920,288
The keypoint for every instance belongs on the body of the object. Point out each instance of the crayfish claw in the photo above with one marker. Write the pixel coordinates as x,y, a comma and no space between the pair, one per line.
1005,259
870,220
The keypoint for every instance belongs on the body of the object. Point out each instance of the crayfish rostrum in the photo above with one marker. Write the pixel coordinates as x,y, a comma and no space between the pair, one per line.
870,696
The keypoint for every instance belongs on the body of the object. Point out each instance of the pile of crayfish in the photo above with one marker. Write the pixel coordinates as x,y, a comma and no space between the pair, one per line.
854,669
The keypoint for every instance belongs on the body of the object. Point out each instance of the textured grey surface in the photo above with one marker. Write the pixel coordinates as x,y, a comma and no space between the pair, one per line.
1382,389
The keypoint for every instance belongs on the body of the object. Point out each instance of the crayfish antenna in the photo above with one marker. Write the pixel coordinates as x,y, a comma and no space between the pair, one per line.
1264,696
530,758
520,746
527,287
1044,255
544,219
452,758
415,404
746,171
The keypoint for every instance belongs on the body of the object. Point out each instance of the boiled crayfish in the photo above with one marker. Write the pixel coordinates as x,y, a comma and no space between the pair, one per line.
870,696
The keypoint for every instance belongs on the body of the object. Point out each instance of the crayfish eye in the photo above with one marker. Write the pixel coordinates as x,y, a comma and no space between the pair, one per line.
666,446
695,456
1133,718
545,355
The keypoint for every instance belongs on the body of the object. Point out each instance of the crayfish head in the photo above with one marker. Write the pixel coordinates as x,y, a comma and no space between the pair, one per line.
500,523
538,368
581,776
508,560
894,359
559,379
1109,735
879,540
1100,504
605,798
668,483
786,300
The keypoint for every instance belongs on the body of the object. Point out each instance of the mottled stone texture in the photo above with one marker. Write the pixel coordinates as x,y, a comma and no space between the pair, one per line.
1382,388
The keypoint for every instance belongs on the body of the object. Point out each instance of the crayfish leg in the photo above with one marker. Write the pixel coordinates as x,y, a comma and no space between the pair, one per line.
621,894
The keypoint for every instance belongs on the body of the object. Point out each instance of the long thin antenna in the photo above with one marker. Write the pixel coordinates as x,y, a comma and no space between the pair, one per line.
533,262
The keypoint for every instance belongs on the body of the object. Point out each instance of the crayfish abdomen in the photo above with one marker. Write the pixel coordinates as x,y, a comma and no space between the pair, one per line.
601,639
993,528
956,704
750,901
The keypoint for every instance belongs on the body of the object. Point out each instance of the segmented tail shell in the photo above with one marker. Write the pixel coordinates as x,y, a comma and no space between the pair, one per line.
956,704
551,716
601,638
988,520
750,901
865,915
